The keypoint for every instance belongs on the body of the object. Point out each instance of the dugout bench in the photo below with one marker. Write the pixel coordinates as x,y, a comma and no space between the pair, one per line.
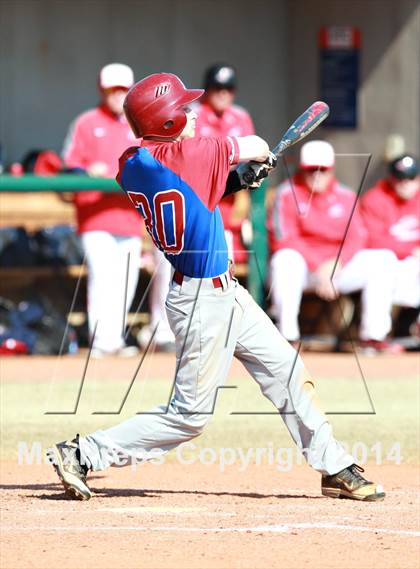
34,202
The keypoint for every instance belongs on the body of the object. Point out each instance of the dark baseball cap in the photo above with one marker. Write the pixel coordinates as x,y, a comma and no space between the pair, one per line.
404,167
220,76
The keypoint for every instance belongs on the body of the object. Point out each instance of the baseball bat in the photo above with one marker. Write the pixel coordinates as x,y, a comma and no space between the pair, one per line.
302,126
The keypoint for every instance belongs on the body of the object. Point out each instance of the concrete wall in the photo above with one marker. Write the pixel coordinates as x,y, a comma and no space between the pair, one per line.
389,96
51,51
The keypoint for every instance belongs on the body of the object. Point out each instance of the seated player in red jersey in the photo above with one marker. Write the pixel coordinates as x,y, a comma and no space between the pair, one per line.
391,212
309,239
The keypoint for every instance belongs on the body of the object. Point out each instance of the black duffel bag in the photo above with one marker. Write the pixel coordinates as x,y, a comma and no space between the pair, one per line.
58,246
39,325
16,248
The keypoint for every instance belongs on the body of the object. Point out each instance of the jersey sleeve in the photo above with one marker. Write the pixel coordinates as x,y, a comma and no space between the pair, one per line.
204,164
122,160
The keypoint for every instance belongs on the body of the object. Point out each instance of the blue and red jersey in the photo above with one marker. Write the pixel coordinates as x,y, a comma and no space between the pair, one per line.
176,187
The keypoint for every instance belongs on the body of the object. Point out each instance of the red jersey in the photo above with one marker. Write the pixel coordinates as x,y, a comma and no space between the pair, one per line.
314,224
392,222
100,136
235,121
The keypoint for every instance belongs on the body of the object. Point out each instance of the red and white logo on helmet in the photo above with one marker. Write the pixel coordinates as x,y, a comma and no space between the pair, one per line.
162,89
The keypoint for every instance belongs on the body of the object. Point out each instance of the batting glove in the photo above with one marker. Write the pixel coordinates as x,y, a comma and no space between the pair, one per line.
252,174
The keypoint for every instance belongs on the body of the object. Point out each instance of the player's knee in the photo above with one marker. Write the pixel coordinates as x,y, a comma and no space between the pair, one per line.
197,422
386,256
290,262
199,428
382,258
288,257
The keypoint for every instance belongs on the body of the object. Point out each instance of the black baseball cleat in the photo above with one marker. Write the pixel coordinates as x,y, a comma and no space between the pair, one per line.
65,458
349,483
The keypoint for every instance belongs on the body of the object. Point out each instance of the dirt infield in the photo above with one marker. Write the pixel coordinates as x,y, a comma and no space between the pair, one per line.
172,516
324,365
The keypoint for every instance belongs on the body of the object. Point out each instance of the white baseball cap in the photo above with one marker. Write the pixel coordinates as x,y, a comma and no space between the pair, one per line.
116,75
317,153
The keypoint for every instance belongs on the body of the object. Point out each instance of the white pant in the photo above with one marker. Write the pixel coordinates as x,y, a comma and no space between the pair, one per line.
211,326
110,289
407,283
383,280
229,243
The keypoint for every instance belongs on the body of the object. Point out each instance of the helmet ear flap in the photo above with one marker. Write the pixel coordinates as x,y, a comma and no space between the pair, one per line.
174,125
154,106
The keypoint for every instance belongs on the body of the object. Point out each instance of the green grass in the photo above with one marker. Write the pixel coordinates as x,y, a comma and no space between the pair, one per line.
396,403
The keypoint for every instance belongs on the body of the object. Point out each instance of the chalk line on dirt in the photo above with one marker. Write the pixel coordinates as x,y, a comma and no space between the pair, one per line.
284,528
152,509
144,510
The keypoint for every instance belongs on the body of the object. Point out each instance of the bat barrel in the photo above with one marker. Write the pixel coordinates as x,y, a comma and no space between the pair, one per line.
303,125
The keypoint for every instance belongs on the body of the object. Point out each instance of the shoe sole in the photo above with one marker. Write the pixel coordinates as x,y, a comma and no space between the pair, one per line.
340,493
73,486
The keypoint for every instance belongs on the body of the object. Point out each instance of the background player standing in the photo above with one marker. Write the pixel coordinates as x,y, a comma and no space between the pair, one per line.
108,226
218,115
176,182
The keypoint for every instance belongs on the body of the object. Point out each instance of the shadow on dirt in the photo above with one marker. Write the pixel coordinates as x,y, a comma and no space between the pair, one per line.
129,492
145,493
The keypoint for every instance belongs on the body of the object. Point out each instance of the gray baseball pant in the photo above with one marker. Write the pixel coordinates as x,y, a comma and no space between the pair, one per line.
211,326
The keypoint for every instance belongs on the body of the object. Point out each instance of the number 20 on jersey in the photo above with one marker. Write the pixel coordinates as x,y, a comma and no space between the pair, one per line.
164,218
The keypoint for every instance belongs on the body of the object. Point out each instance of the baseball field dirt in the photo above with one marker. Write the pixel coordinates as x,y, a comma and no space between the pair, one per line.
216,503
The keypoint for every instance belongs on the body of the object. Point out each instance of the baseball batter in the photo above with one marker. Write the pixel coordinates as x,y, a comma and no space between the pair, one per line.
217,115
176,182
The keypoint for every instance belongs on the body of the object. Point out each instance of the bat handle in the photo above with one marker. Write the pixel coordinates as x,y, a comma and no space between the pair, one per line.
249,177
278,150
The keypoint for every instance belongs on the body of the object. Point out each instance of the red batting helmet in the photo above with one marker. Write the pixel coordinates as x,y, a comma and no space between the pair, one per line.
154,105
